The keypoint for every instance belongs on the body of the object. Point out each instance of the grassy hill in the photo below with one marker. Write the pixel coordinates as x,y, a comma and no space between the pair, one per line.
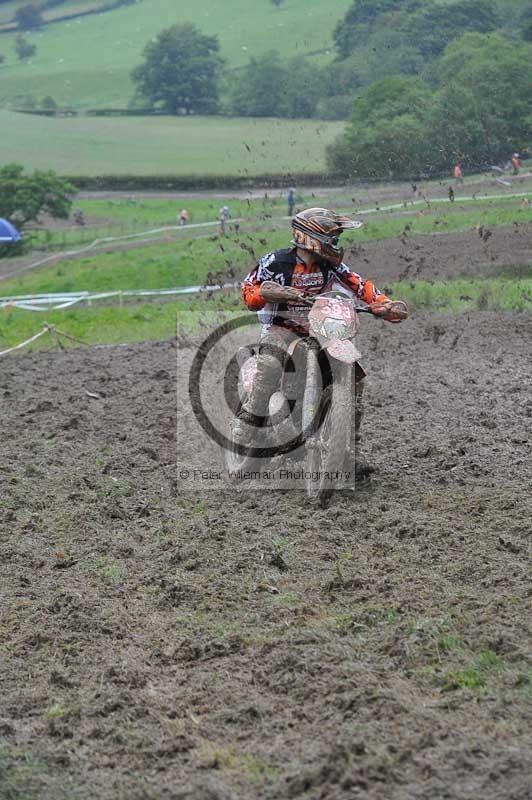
86,62
166,145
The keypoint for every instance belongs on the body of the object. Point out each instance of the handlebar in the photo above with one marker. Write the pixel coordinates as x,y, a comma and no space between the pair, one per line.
399,306
309,301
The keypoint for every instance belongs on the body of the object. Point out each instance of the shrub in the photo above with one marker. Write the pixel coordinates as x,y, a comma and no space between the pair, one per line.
23,48
28,17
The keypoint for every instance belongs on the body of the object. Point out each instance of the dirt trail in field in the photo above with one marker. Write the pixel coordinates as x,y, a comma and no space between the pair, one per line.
226,645
362,194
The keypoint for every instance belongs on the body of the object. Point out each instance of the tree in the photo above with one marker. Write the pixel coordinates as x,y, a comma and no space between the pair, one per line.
361,19
483,100
181,71
388,132
270,87
304,83
258,89
48,103
24,49
392,97
525,24
28,17
386,28
24,197
479,112
435,25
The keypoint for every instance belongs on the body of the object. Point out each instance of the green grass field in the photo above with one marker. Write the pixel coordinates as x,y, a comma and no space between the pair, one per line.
147,211
158,321
186,262
124,216
443,218
166,145
157,267
103,325
487,294
86,63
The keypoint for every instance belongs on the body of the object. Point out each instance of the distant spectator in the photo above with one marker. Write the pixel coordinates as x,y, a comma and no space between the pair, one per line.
183,216
78,216
224,216
291,200
451,194
457,173
516,163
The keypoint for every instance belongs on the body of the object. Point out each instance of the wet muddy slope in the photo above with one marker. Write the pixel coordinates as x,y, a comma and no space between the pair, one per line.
473,253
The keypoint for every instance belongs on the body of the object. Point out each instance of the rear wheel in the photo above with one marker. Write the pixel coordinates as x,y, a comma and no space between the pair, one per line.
326,450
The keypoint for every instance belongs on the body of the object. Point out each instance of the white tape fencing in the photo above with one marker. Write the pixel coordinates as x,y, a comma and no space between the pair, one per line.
23,344
56,302
56,335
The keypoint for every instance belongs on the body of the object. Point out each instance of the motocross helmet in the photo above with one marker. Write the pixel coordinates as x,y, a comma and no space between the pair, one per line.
318,230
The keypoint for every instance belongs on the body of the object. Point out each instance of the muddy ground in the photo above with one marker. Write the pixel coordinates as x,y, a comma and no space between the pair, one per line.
438,256
157,642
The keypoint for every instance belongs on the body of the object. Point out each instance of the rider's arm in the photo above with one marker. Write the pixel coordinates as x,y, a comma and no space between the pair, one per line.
256,294
258,288
273,292
251,292
365,290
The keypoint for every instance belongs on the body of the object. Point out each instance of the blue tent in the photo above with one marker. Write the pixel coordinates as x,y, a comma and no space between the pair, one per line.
8,232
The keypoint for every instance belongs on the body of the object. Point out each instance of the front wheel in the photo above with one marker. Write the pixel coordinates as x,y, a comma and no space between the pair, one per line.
327,448
239,465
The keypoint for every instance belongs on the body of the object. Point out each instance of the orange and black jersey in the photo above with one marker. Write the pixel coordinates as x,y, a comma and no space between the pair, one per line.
287,269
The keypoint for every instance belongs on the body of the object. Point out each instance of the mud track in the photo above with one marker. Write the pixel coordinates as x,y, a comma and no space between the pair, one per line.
444,255
158,644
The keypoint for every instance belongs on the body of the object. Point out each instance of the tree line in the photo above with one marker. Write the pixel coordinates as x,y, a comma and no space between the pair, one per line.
452,95
376,39
472,106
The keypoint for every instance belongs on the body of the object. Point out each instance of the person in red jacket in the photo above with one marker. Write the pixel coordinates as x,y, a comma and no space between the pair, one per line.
275,288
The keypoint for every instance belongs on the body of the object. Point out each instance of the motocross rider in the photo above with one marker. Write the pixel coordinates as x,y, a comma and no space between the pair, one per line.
275,288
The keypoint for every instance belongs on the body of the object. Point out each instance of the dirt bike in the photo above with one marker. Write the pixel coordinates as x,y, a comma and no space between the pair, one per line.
319,372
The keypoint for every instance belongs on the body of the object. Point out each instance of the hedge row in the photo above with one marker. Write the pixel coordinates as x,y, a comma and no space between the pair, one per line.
10,26
125,112
181,183
47,112
91,112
